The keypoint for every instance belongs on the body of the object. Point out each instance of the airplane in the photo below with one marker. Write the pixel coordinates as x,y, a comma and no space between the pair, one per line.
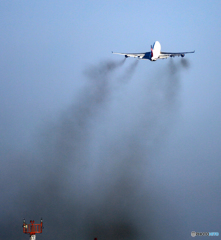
154,54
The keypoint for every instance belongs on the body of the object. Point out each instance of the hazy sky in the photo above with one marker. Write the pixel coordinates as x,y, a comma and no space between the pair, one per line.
105,148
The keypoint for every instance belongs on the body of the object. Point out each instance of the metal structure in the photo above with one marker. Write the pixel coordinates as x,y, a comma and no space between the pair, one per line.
32,228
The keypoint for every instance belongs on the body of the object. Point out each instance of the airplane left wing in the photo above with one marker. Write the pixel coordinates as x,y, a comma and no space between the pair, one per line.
139,55
169,54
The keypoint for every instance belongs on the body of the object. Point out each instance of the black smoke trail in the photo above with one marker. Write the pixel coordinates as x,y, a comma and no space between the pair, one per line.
82,192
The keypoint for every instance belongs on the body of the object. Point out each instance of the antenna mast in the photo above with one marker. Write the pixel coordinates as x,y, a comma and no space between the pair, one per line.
32,228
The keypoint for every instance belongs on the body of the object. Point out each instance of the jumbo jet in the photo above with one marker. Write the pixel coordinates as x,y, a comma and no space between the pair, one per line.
154,54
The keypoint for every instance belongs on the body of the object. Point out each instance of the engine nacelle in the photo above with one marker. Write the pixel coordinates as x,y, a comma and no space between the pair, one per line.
182,55
126,56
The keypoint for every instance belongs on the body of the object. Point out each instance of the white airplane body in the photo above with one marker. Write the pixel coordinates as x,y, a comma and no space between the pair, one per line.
154,54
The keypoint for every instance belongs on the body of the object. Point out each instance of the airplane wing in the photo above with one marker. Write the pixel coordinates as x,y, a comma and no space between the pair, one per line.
140,55
169,54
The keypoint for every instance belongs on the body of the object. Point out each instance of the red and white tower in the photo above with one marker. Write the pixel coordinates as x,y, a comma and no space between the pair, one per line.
32,228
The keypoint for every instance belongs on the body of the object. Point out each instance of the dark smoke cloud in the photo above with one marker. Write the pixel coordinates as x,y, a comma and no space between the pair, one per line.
55,181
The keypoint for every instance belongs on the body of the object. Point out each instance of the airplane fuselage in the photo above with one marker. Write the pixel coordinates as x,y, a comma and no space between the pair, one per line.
155,51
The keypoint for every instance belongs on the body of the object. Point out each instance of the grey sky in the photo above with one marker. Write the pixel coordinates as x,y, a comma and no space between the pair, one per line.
143,146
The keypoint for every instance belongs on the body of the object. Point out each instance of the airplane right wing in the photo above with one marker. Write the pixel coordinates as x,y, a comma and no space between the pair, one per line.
169,54
139,55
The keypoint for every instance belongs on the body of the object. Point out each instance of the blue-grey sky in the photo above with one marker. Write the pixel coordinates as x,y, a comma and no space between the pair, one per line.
111,126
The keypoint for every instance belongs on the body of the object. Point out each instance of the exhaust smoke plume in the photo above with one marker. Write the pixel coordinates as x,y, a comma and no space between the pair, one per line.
82,191
185,63
129,71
